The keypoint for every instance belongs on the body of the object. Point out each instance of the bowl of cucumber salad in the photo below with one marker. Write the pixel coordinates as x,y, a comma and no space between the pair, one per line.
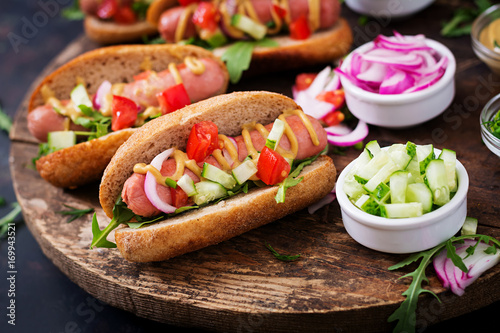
403,198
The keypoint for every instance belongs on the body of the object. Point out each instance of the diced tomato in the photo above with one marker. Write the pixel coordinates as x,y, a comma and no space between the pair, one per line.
125,15
107,9
173,98
272,168
333,118
206,16
335,97
142,75
179,197
299,29
187,2
304,80
203,140
124,113
280,11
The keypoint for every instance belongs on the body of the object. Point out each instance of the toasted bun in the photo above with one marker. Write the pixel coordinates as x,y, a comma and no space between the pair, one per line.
213,224
85,162
105,32
321,47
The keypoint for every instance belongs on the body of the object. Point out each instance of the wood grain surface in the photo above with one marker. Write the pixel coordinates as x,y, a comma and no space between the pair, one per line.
337,285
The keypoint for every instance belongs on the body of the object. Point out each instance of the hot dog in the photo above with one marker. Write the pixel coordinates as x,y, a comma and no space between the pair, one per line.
306,32
211,224
142,77
116,21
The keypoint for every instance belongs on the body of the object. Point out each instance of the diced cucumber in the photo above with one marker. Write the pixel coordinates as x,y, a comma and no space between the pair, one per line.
382,176
373,166
381,193
398,183
61,139
79,96
275,135
425,153
208,191
361,200
413,168
359,162
251,27
469,227
244,171
217,39
401,210
187,185
420,192
411,149
373,147
215,174
398,155
450,161
371,206
353,189
437,180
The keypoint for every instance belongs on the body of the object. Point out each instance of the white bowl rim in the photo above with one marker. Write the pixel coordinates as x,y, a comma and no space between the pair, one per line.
403,223
448,76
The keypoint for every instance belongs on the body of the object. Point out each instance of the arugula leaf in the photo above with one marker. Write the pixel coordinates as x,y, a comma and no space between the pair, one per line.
73,12
75,212
281,256
121,214
2,201
406,313
95,121
5,121
9,218
238,56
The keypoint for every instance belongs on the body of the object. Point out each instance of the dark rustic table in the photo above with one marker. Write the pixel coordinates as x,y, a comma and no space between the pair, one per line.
46,300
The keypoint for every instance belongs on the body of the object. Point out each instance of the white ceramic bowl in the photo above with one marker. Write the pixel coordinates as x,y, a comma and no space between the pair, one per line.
401,110
388,8
488,112
406,235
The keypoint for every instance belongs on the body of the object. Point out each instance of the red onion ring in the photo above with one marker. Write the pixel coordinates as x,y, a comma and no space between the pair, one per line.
150,183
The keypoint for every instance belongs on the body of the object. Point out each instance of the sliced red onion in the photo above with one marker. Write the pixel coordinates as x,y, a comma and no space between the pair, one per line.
100,95
357,135
150,183
329,198
340,129
226,154
395,65
454,278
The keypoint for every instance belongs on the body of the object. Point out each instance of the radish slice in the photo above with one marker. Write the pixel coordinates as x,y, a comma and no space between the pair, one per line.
150,184
358,135
102,91
454,278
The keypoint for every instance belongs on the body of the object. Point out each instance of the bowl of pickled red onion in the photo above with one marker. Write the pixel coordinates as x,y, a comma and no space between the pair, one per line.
398,81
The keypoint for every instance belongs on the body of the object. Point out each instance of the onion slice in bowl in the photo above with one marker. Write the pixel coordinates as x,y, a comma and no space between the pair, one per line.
150,183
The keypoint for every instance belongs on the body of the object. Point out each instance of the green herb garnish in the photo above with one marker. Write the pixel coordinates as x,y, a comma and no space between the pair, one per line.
9,218
5,121
281,256
238,56
494,125
462,19
75,212
405,314
94,121
73,12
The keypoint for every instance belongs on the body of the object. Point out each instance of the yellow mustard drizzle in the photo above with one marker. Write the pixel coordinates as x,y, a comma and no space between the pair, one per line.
182,161
245,7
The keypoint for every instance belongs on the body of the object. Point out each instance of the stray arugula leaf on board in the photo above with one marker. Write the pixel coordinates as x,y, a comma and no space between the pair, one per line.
282,257
238,56
9,218
461,22
75,212
406,313
5,121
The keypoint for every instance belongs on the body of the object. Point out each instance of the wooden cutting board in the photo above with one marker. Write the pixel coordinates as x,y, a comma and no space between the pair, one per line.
238,285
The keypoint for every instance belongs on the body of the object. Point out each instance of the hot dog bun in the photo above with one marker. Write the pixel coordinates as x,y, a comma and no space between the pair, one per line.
104,32
212,224
323,46
85,162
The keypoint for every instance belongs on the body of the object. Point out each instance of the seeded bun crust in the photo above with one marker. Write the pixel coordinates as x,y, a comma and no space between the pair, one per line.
212,224
85,162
